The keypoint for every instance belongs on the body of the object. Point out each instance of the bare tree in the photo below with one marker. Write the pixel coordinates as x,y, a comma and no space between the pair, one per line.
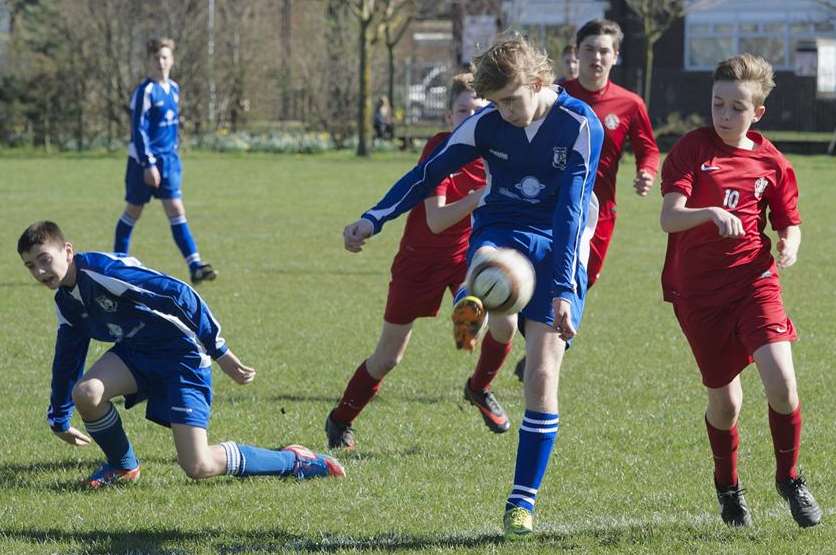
395,19
365,11
657,16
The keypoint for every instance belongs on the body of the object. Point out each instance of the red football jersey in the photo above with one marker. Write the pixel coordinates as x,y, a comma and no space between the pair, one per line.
622,113
418,240
700,263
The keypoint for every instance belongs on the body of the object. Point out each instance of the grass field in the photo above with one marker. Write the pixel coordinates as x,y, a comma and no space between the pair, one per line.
631,471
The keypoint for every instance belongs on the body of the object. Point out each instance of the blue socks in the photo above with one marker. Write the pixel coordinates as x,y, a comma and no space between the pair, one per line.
185,242
124,228
538,432
108,433
246,460
461,293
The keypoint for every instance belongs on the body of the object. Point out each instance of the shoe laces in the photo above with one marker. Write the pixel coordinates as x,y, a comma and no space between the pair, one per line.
798,489
518,517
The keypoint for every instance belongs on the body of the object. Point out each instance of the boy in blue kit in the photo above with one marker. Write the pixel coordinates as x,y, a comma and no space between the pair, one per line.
165,340
153,164
541,149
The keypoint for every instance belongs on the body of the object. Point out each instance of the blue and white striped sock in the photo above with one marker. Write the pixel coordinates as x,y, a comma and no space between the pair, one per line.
109,434
246,460
538,432
124,228
185,242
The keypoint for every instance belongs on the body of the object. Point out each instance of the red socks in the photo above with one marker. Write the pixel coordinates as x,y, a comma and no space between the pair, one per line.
491,357
724,445
359,391
786,438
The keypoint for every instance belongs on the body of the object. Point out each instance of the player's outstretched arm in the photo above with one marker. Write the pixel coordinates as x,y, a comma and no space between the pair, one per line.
74,437
233,368
676,217
355,235
789,241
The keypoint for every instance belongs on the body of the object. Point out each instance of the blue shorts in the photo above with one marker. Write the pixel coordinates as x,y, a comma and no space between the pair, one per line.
137,192
538,249
176,383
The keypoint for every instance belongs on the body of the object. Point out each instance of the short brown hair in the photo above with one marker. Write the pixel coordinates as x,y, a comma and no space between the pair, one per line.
460,83
600,27
155,45
509,58
40,233
569,49
751,68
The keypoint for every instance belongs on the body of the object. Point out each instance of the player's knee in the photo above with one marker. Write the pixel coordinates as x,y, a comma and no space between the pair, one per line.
724,415
198,469
88,394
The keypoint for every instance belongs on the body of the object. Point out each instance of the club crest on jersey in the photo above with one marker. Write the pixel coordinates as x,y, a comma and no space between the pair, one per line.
107,304
611,121
560,156
530,187
760,187
115,332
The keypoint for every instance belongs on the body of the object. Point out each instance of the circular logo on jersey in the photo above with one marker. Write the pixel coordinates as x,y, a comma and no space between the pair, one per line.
611,121
169,115
530,186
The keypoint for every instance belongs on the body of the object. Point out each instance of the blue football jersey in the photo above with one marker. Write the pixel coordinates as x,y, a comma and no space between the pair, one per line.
155,115
117,300
539,178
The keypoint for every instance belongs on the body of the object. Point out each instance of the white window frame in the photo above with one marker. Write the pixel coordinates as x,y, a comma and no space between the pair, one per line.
726,14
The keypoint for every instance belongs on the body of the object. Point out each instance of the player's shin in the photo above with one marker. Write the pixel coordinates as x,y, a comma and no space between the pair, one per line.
109,434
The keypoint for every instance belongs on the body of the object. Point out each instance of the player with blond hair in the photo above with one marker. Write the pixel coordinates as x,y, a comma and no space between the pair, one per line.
720,185
541,150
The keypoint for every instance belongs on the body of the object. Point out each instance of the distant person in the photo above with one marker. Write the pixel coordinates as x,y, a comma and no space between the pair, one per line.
623,115
721,184
165,338
568,69
153,163
432,259
384,127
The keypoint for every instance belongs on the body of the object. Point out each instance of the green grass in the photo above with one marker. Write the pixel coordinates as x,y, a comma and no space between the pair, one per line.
631,472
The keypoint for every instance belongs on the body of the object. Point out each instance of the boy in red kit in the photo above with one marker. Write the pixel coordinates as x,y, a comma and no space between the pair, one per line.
431,259
723,282
623,114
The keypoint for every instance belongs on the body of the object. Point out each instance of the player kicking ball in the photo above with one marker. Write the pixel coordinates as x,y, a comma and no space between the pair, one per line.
541,149
165,340
719,183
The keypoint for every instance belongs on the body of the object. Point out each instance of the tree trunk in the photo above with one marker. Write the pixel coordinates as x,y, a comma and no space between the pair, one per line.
390,54
648,71
364,96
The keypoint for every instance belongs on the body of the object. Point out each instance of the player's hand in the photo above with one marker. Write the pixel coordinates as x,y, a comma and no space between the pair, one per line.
728,225
355,235
787,253
232,367
642,183
563,319
74,437
152,177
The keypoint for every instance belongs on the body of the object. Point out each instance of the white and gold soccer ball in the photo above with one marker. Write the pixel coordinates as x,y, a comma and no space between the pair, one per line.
503,279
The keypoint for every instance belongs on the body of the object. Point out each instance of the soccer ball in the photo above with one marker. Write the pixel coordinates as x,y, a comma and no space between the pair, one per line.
503,279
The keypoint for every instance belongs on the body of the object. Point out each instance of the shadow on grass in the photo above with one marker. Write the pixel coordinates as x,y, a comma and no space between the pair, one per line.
36,475
156,540
382,399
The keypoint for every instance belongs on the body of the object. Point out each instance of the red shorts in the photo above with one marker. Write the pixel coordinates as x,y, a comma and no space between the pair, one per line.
417,288
723,336
598,247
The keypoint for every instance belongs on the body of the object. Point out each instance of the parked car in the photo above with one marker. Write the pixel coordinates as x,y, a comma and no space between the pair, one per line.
428,98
